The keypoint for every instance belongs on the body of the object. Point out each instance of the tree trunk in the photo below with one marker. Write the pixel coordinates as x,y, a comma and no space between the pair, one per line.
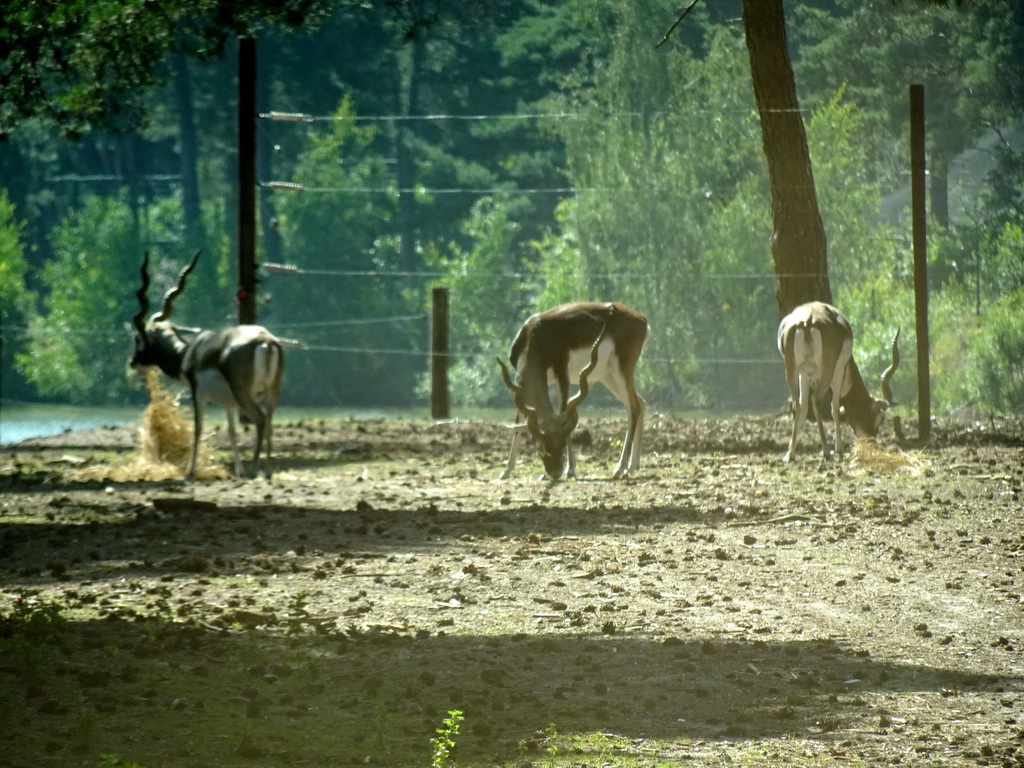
188,154
273,247
406,171
798,244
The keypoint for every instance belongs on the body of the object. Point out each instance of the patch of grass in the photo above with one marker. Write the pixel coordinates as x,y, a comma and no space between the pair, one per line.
30,633
113,761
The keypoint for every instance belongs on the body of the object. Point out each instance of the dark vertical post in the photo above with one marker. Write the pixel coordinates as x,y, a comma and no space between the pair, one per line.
439,407
917,195
247,180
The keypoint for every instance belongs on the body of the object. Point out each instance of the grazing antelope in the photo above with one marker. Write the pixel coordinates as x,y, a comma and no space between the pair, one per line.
585,342
237,368
816,342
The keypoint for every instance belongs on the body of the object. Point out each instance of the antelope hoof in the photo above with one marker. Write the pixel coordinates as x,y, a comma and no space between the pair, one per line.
255,472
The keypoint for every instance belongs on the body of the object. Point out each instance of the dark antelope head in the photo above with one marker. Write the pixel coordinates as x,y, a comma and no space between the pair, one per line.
552,430
868,421
155,335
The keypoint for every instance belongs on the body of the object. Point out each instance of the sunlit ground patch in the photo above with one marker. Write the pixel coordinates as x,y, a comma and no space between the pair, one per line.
162,447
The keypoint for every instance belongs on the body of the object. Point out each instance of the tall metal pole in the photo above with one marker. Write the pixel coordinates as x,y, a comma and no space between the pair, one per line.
917,195
247,180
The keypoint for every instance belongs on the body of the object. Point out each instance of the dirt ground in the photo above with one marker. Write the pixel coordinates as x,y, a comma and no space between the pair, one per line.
720,608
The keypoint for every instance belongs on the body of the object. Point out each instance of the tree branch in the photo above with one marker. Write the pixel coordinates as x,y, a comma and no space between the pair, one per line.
676,23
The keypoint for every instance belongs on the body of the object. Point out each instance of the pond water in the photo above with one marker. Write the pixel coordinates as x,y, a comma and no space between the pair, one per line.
20,422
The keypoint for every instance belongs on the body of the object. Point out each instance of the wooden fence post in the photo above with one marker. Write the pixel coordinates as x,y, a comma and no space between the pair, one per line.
246,180
439,405
919,224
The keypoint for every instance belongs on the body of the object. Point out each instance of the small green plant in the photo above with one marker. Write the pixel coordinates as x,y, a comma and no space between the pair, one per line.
297,612
35,620
545,741
551,737
29,635
443,744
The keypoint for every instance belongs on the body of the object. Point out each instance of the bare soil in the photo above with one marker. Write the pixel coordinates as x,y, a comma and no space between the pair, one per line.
719,608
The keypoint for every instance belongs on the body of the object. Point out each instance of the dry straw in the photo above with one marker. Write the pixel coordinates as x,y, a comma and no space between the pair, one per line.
872,456
163,446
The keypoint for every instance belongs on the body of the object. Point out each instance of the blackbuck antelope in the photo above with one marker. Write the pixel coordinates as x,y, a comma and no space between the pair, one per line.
583,342
237,368
816,342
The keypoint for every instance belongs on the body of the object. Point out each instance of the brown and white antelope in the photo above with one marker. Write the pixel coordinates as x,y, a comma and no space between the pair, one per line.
583,342
816,342
237,367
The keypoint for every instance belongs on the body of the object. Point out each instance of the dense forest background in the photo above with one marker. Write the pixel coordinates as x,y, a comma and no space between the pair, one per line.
524,153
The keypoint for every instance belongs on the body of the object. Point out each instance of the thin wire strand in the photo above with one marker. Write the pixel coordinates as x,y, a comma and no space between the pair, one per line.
275,185
303,117
457,355
288,269
367,321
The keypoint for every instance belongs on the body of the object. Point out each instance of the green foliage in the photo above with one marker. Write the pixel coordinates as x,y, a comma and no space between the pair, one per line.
998,266
867,259
29,635
860,244
335,232
298,613
976,329
670,211
34,620
18,299
560,274
443,745
655,187
953,330
80,63
18,304
77,347
482,287
877,306
997,355
85,306
322,229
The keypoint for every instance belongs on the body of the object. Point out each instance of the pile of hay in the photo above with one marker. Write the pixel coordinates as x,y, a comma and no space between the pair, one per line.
871,456
163,447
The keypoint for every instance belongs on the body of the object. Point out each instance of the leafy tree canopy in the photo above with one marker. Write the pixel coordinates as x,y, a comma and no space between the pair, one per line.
79,63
